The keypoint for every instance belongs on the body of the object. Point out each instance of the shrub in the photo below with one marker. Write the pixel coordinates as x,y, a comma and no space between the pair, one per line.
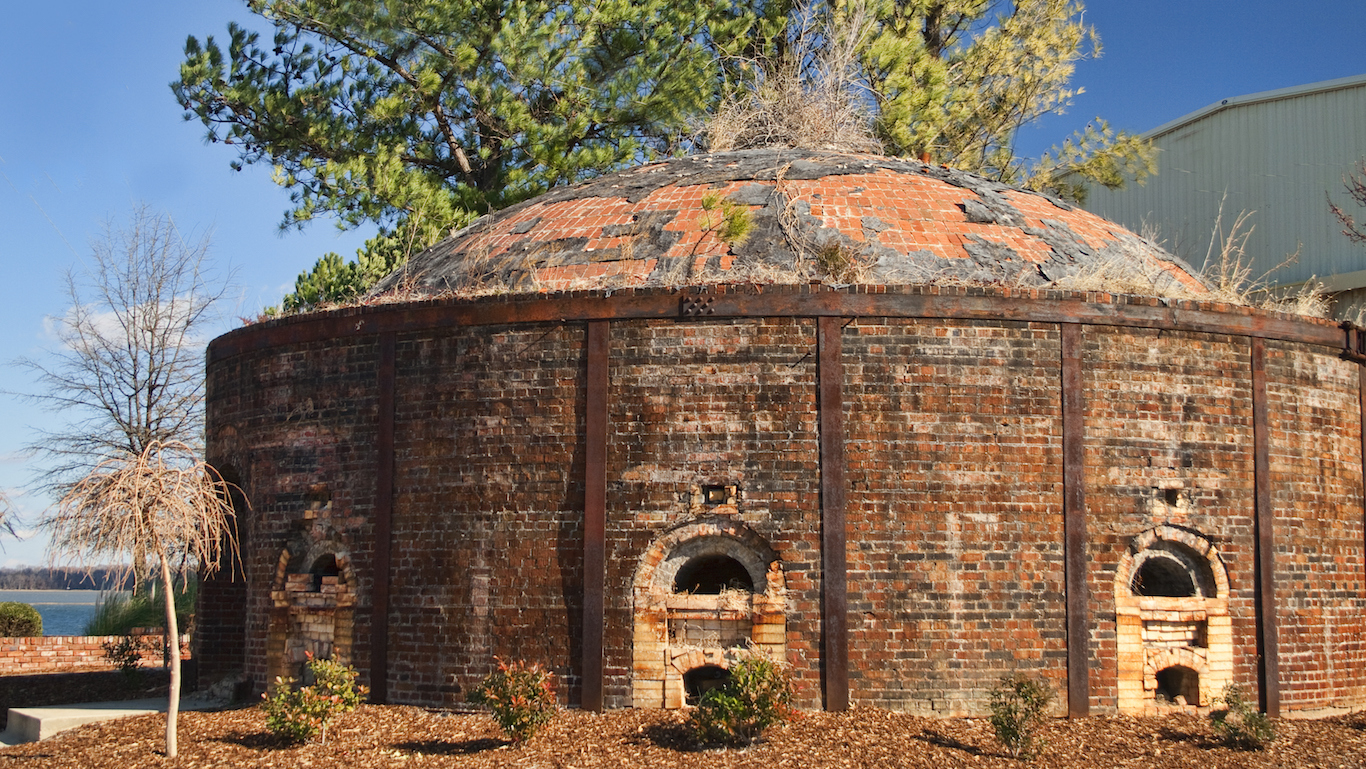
125,653
757,695
1017,711
19,620
298,714
521,697
1241,725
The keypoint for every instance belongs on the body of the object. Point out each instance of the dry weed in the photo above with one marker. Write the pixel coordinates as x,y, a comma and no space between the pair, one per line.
809,97
1228,270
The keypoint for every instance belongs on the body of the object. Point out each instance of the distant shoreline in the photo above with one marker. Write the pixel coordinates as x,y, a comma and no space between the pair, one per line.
55,597
64,612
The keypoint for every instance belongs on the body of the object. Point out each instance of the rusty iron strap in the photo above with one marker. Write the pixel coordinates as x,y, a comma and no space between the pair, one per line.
834,589
779,301
1268,657
595,513
383,520
1074,523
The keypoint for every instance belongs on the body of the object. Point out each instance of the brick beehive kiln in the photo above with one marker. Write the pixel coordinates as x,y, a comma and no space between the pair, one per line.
609,431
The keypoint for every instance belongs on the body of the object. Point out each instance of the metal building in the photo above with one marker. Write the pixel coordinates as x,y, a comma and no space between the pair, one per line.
1277,154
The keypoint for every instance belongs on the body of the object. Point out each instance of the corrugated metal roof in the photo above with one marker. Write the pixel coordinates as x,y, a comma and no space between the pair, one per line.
1255,98
1277,154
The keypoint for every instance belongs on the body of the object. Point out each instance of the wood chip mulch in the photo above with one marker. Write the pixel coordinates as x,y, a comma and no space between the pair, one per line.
394,736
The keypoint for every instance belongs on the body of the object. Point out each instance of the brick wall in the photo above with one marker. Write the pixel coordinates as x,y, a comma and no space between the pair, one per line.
1316,494
1168,410
714,403
287,422
488,479
953,483
68,654
955,514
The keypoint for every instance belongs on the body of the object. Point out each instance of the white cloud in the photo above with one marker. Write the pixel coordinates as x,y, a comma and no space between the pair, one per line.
16,458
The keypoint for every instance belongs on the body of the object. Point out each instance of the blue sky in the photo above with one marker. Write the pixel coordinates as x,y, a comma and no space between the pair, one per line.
88,129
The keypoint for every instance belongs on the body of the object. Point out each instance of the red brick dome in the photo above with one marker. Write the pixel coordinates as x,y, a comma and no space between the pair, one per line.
804,215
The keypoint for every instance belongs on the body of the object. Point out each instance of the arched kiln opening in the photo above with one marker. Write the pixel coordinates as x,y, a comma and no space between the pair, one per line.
703,592
1174,636
313,599
1178,685
325,566
713,575
700,680
1163,577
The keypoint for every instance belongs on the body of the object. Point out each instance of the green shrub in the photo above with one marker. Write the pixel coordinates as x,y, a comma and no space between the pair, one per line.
1241,725
125,653
298,714
19,620
1017,711
758,694
521,697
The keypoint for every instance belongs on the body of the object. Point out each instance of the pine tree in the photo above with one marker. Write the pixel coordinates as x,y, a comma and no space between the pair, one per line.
420,115
953,83
391,111
373,111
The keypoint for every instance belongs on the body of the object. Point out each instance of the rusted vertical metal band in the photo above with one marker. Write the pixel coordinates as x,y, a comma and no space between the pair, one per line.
595,513
1074,524
1361,397
1268,657
383,522
834,561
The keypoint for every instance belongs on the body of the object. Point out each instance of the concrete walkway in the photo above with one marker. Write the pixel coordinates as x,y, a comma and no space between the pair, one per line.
33,724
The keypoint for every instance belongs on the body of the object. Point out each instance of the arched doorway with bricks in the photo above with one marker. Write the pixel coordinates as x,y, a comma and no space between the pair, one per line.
703,592
1174,636
313,600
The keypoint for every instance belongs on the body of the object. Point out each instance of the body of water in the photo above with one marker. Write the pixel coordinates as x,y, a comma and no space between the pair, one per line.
64,612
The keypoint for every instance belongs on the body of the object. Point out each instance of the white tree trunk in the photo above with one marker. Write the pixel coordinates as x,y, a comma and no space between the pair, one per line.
173,640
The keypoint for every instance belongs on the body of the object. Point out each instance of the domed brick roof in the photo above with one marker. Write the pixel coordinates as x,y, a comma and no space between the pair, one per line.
812,215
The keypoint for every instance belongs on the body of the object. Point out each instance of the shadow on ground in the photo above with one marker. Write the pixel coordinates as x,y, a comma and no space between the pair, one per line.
446,748
944,741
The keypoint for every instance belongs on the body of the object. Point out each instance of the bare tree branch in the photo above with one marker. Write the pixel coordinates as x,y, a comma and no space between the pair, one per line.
8,515
129,371
1355,184
129,377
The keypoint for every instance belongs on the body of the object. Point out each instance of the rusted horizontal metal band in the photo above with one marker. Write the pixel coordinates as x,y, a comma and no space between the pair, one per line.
774,301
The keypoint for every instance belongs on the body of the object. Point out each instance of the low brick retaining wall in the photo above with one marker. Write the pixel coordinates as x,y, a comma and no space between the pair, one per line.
71,654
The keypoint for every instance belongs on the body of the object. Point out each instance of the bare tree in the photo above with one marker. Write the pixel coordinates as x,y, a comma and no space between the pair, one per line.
129,372
1355,183
129,381
165,506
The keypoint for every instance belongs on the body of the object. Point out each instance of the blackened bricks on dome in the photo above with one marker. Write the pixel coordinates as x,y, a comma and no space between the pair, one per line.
902,222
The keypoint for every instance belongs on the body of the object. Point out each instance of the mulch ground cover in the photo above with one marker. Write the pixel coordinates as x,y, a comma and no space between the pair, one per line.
395,736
